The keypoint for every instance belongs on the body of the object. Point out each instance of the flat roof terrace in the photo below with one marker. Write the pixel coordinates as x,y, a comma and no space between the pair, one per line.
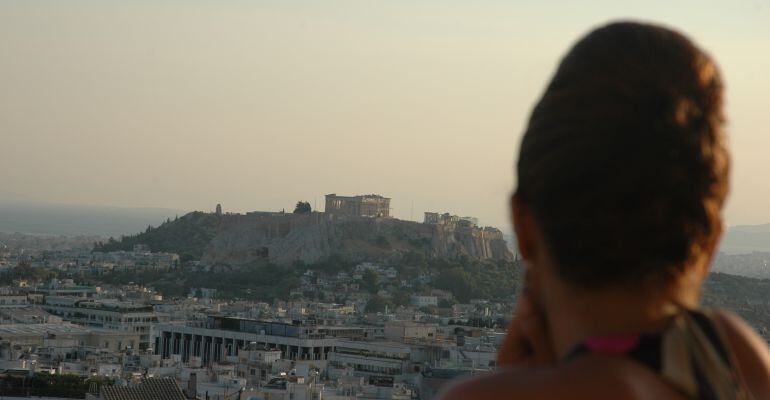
41,329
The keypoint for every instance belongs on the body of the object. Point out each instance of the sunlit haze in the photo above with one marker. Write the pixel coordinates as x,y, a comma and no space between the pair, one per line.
259,104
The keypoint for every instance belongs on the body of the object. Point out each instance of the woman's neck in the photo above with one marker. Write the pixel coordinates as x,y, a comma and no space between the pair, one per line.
577,314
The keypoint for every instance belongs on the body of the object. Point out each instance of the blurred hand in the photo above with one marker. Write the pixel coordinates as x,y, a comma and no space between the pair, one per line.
527,341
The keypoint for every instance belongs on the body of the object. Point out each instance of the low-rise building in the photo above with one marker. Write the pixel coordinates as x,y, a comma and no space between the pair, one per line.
367,359
408,330
223,337
27,315
255,364
9,299
64,287
424,301
62,341
107,314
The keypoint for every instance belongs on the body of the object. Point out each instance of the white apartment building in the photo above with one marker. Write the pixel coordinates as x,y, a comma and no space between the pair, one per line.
223,337
371,358
107,314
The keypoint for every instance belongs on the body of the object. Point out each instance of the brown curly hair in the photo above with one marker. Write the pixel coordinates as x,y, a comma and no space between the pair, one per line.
624,163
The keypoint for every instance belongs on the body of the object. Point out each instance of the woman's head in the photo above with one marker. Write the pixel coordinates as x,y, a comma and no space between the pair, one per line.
623,166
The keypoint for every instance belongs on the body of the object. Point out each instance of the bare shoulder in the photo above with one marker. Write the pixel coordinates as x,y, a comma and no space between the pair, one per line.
591,376
750,350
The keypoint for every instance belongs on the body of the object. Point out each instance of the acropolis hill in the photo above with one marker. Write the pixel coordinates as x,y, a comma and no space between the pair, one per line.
356,232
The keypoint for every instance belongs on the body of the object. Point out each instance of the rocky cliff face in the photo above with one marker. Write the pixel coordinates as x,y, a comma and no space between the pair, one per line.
285,238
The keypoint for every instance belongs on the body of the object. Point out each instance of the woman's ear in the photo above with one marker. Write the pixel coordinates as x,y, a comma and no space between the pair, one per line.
699,264
530,248
712,246
523,226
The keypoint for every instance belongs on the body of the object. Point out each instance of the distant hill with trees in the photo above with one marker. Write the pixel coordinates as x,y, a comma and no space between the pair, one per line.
309,237
464,279
187,236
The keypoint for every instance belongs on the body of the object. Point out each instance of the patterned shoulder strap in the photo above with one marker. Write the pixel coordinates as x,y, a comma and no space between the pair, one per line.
697,360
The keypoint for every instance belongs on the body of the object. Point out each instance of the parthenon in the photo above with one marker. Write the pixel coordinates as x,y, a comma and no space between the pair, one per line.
370,205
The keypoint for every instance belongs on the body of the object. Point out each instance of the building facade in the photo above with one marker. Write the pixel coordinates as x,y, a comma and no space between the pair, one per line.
408,330
223,337
13,300
434,218
371,358
370,205
109,315
424,301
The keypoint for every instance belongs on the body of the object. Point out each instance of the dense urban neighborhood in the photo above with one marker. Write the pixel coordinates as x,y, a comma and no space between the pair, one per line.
392,316
181,309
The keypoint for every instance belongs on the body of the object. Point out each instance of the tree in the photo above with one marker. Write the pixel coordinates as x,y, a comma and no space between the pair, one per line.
456,281
370,281
332,265
444,303
302,207
382,241
375,304
25,271
401,298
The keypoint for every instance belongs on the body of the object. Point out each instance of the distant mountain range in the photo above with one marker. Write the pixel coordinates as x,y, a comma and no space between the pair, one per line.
42,218
762,228
738,239
746,239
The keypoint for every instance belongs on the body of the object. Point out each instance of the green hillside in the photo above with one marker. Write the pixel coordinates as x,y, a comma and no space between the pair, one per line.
748,297
465,279
186,236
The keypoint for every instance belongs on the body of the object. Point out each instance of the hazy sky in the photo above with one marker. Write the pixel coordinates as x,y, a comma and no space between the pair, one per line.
258,104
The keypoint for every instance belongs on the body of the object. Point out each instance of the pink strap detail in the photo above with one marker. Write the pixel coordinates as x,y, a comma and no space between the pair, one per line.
612,344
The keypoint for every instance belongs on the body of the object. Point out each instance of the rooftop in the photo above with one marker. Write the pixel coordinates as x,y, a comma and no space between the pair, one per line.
150,389
41,329
360,196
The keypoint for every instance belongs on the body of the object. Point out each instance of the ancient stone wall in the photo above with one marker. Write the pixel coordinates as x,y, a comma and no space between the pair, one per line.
285,238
